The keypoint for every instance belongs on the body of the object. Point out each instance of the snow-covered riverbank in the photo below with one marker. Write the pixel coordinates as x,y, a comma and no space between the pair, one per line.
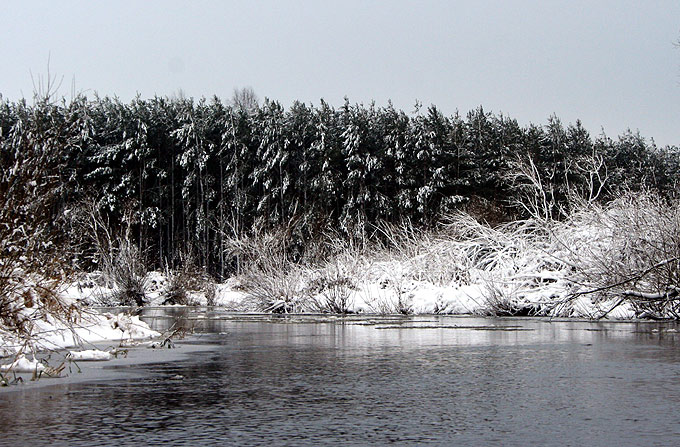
383,292
42,351
101,363
619,261
49,333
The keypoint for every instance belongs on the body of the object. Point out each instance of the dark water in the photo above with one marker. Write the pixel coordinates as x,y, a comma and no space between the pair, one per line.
456,381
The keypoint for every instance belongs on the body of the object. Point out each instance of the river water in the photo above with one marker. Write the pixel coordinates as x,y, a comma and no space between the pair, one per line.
309,381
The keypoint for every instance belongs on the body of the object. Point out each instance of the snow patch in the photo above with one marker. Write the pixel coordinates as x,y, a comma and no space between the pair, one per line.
50,333
92,355
23,365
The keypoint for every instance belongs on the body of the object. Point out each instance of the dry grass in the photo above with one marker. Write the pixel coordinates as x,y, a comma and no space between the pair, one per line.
125,270
330,289
184,281
268,275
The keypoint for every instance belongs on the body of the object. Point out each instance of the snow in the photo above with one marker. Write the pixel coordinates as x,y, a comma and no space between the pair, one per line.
418,297
92,289
22,365
89,355
228,295
50,333
383,288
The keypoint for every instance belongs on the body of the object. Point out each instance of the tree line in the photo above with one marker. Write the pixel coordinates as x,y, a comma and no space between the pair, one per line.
186,178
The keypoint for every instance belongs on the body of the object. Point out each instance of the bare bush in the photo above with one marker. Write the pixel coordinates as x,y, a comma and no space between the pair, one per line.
331,289
210,290
507,301
127,273
268,274
537,193
189,278
176,291
534,194
119,259
275,287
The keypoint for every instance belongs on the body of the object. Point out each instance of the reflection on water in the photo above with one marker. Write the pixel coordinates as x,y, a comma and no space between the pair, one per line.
361,381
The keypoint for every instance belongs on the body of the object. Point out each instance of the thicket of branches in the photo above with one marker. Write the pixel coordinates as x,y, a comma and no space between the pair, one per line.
192,178
34,255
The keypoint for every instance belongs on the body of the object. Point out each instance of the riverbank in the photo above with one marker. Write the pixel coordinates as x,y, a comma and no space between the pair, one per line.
382,290
49,333
123,364
616,261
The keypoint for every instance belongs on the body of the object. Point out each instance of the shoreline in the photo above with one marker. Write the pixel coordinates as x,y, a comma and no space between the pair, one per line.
128,364
124,367
228,311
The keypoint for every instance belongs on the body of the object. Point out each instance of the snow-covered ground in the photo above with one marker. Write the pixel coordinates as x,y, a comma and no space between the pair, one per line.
51,333
421,297
383,290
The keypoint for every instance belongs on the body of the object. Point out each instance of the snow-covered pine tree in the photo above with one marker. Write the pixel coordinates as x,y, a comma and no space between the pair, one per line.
356,152
326,180
398,163
432,153
271,175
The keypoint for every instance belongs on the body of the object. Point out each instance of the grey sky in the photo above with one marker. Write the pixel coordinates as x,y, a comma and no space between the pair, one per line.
610,63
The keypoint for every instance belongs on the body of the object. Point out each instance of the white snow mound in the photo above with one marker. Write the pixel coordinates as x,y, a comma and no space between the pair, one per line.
90,355
23,365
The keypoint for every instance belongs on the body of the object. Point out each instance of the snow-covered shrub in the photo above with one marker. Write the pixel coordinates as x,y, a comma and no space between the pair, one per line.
628,250
115,253
210,291
267,273
620,259
183,286
587,264
422,255
275,287
330,288
176,291
127,273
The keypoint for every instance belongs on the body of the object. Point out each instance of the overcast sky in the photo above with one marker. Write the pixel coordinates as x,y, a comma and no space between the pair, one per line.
611,64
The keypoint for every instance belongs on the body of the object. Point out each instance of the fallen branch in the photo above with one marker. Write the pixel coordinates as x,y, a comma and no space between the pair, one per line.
670,294
636,277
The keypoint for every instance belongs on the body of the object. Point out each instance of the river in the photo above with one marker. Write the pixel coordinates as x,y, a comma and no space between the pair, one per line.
313,380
